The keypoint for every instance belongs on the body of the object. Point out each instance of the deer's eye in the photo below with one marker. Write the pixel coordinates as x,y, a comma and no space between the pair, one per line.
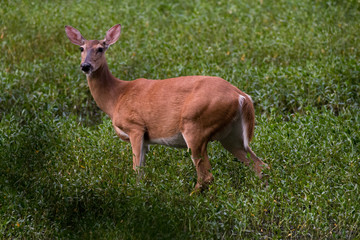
100,49
81,49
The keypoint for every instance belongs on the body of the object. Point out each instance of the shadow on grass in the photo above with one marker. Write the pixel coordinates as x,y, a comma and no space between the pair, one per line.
33,171
134,217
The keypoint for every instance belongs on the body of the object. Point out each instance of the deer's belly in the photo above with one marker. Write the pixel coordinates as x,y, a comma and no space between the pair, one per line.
174,141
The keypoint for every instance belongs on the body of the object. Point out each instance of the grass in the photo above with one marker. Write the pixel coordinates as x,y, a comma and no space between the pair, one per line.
65,174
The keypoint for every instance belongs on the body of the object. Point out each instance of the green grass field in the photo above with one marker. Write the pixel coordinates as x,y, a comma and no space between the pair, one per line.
64,173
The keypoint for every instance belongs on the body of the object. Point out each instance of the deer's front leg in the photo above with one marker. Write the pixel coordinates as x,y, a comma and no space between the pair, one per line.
138,149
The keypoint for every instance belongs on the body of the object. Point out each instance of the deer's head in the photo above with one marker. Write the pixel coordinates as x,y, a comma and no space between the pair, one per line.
93,51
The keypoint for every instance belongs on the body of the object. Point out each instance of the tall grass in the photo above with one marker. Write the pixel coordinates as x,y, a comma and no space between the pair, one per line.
65,174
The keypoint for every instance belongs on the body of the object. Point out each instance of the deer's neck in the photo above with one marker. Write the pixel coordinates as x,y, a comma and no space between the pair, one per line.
105,89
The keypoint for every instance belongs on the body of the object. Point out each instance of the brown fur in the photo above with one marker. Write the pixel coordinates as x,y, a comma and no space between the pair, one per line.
200,108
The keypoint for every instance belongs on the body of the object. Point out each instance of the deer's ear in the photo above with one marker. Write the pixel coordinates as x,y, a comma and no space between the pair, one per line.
112,35
74,35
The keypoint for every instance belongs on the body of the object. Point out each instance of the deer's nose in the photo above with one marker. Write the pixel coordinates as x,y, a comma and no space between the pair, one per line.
85,67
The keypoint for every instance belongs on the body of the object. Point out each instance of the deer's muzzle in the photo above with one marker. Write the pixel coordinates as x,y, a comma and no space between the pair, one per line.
86,67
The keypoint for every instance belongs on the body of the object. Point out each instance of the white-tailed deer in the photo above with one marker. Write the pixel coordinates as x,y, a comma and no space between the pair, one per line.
185,112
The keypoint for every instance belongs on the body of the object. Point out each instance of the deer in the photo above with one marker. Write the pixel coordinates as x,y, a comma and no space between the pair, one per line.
183,112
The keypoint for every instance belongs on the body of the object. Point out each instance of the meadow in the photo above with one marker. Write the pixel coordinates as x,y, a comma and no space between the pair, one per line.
64,174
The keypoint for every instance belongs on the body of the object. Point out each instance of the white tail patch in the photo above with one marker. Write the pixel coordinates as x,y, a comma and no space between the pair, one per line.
244,125
241,100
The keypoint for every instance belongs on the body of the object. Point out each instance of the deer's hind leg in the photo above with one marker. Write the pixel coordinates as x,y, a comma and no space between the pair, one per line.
234,142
